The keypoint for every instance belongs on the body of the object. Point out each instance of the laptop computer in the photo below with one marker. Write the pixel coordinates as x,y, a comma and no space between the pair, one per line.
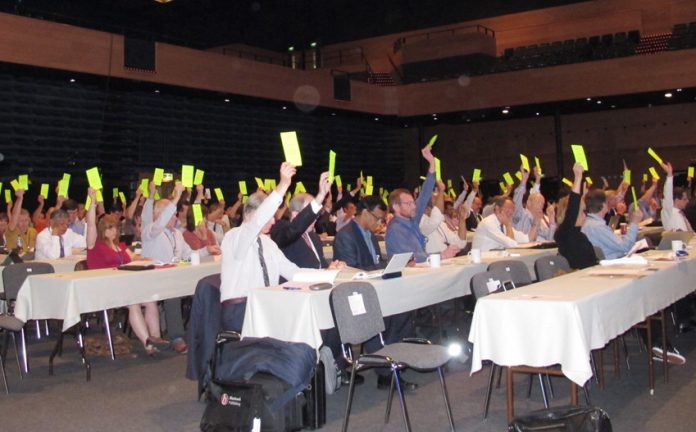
669,236
393,269
614,221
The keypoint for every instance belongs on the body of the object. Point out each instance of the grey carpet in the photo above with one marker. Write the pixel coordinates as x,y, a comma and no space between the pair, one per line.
145,394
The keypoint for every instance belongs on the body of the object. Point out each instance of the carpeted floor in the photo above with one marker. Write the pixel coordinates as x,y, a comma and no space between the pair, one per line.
146,394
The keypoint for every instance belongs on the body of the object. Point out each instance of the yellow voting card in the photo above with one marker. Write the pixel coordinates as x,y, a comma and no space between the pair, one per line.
525,162
88,203
438,169
291,148
332,165
144,183
63,188
654,155
431,143
508,178
44,190
369,189
100,197
187,175
259,182
654,174
243,187
122,196
580,157
299,188
690,172
15,184
338,181
635,200
518,174
645,177
158,176
219,195
537,162
502,186
198,178
93,178
627,176
477,175
589,180
568,182
23,181
197,214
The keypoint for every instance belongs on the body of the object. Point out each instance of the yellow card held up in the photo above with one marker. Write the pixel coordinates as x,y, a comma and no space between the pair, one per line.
259,183
15,184
537,162
63,188
123,197
243,187
508,178
198,178
369,189
654,155
332,165
158,176
24,181
44,190
422,177
654,174
219,195
518,174
589,181
88,203
477,175
93,178
337,179
690,172
568,182
627,176
299,188
431,143
187,175
197,214
100,197
449,183
157,195
114,192
635,200
8,196
438,169
502,186
525,163
270,184
369,180
291,148
579,154
144,183
645,177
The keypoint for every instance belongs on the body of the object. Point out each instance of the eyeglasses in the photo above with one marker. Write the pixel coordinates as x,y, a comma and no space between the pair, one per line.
379,218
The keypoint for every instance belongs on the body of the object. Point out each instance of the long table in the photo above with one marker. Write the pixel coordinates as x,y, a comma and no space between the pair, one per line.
559,321
61,265
65,296
299,315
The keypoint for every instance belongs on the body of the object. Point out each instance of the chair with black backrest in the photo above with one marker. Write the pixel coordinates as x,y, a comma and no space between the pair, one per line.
479,288
515,270
358,318
13,276
550,266
599,253
8,325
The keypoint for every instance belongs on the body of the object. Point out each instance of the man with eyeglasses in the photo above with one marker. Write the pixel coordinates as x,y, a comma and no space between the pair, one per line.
403,232
356,243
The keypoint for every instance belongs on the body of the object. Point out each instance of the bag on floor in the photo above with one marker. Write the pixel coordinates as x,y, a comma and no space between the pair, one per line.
231,406
563,419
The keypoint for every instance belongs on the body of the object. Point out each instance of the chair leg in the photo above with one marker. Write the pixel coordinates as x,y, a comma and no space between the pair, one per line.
390,398
550,384
446,397
351,390
16,350
487,400
4,375
107,328
587,395
25,357
395,374
543,391
38,329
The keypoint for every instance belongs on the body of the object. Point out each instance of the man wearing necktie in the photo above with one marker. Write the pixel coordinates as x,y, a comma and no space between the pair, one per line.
250,259
57,240
495,230
673,204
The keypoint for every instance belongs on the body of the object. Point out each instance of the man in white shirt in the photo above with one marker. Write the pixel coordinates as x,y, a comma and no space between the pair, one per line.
57,240
440,238
674,201
531,219
495,231
250,259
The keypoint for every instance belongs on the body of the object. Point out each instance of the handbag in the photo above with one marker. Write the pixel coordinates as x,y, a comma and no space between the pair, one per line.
563,419
231,406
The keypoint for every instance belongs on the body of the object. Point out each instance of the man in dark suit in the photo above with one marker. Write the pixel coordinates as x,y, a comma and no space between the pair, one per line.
296,237
356,244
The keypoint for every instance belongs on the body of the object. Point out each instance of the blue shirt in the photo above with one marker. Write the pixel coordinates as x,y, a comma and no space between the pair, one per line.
600,235
404,235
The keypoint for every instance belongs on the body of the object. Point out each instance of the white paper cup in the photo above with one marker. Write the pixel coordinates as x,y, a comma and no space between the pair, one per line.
677,245
434,260
475,255
195,258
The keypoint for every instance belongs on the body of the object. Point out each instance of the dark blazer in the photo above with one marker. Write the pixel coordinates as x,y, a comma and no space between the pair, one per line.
288,236
349,246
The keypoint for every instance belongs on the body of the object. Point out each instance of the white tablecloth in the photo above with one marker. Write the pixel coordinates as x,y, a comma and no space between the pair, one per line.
559,321
67,295
61,265
298,316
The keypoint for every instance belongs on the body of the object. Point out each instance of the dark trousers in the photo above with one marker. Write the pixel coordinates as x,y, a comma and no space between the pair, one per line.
397,327
333,341
173,318
233,316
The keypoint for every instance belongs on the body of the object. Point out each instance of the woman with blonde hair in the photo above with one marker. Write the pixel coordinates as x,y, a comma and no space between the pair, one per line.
104,251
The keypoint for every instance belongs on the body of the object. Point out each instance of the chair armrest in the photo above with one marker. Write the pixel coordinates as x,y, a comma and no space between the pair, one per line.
421,341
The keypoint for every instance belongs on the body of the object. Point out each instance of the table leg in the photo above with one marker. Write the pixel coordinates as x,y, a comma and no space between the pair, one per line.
510,395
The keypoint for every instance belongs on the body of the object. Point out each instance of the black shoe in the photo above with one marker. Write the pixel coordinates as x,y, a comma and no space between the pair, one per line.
345,378
384,381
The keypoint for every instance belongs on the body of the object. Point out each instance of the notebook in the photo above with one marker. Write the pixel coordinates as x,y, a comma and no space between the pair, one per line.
394,267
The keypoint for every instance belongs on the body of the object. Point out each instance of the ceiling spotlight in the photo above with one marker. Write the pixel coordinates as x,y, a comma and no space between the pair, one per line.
285,107
376,118
588,99
313,45
668,95
599,102
537,113
157,91
678,90
227,100
505,111
163,1
613,106
333,114
72,80
434,115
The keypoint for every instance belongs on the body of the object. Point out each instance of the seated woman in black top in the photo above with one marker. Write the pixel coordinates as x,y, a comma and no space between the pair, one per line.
573,245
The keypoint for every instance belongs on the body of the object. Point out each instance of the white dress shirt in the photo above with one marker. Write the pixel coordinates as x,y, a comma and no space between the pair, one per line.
438,233
490,235
672,218
241,267
48,245
159,242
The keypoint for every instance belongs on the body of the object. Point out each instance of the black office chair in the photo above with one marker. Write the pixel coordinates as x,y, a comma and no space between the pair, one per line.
550,266
515,270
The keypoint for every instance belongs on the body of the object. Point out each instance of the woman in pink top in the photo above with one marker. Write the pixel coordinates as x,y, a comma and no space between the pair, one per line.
104,251
199,237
